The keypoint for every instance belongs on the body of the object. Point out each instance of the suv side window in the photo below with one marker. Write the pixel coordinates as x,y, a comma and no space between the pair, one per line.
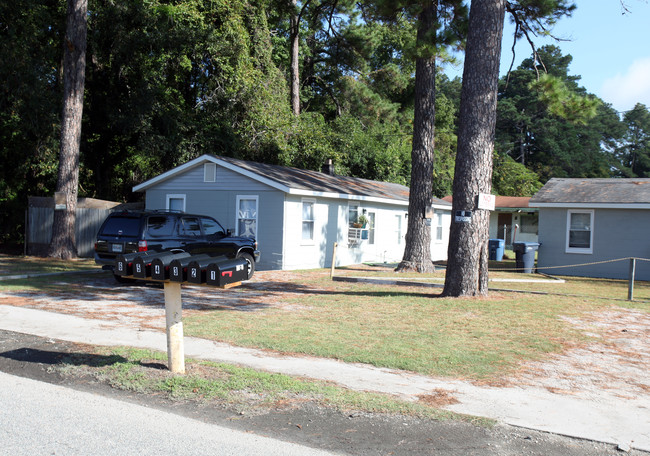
212,228
190,226
160,226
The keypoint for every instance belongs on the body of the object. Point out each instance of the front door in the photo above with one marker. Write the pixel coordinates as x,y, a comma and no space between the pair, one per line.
505,226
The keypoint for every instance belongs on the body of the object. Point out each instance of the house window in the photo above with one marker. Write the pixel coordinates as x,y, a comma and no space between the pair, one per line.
438,219
247,215
210,172
371,227
308,220
176,203
353,215
580,232
529,223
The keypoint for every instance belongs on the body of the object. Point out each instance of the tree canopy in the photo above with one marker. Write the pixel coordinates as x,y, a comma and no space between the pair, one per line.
169,80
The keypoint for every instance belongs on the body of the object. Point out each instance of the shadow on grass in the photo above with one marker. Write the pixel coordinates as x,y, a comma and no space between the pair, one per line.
32,355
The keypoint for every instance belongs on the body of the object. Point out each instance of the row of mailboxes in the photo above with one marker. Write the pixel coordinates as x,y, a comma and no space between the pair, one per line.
218,271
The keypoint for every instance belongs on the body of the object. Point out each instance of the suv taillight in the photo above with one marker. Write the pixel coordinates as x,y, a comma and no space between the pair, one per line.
142,246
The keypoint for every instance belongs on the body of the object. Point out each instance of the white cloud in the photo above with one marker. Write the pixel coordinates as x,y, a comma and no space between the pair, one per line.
623,91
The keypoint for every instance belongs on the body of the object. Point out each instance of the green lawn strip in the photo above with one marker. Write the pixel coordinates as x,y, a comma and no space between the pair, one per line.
14,265
403,328
59,283
143,371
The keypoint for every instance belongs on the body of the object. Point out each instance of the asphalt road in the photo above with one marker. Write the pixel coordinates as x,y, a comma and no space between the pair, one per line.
41,418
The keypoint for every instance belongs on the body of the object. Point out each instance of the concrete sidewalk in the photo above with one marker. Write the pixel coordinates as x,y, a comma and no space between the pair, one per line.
605,417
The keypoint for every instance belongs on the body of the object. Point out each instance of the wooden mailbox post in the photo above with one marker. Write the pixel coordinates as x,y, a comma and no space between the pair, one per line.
171,269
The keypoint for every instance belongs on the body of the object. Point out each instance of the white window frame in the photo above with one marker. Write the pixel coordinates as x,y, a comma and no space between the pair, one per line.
351,205
210,172
311,201
589,250
257,211
172,196
439,227
398,228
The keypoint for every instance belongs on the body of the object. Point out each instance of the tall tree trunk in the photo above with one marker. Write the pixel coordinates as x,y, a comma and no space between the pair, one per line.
295,50
74,66
468,243
417,250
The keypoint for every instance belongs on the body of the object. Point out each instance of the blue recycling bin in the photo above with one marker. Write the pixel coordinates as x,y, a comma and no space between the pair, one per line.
525,256
497,247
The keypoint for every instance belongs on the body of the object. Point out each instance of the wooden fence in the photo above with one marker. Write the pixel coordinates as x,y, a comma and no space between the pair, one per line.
90,215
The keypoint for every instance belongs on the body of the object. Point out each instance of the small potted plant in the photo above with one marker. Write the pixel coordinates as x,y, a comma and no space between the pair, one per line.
363,221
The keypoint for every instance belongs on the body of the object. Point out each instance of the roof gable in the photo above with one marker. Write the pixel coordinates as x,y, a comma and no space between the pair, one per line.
606,193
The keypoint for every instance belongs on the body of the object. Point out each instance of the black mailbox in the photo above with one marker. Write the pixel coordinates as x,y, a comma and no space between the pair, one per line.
160,264
196,270
226,272
178,267
124,264
142,264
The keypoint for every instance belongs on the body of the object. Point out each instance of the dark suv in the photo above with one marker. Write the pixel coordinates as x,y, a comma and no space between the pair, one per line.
128,232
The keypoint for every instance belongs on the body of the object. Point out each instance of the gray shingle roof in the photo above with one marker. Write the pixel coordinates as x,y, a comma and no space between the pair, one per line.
594,191
304,179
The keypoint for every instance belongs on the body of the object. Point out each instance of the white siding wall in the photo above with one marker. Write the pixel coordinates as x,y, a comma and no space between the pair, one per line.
331,225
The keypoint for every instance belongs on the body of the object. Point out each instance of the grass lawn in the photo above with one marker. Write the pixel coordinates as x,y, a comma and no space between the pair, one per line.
412,328
403,327
12,265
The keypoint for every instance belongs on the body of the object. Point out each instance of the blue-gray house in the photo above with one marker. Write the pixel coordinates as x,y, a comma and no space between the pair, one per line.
586,224
297,215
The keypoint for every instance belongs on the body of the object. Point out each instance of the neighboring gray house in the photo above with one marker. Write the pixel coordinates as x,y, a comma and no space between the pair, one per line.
297,215
512,219
594,220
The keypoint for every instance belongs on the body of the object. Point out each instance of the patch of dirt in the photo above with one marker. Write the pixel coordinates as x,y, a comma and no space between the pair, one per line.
616,359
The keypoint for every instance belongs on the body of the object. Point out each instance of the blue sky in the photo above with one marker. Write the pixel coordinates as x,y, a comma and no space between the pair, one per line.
610,50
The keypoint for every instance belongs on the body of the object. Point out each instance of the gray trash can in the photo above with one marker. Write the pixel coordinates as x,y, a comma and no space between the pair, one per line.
497,248
525,255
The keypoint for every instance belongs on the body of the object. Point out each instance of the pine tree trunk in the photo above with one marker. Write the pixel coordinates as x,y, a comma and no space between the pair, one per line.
295,67
468,244
74,66
417,249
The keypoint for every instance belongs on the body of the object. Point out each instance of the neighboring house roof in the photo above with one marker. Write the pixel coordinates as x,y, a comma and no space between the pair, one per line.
505,202
301,181
594,193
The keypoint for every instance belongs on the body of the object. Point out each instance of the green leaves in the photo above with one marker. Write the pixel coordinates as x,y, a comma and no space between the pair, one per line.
563,102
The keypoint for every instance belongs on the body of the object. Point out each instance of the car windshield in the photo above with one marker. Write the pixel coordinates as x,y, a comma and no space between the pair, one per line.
122,226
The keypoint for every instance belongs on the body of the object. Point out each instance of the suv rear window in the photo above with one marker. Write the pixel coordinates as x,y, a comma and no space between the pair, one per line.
159,225
122,226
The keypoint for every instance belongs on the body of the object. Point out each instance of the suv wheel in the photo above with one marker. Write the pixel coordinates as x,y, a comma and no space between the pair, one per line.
251,263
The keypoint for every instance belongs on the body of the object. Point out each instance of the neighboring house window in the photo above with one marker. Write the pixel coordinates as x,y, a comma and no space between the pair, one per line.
176,203
308,220
210,172
580,231
438,219
398,230
529,223
247,216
